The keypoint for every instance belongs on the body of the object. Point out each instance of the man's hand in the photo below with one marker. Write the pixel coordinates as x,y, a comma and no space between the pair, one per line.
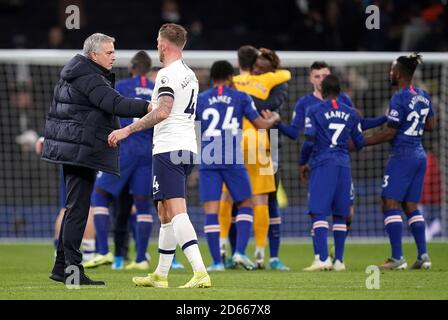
304,172
118,135
38,146
270,115
149,106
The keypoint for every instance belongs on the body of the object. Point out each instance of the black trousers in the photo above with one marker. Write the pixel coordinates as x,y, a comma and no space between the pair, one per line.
79,183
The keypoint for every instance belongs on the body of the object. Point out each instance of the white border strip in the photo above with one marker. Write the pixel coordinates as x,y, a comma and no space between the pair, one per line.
203,59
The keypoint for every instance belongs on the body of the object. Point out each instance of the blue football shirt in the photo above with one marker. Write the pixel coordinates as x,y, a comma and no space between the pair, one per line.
139,143
220,111
331,124
408,110
298,117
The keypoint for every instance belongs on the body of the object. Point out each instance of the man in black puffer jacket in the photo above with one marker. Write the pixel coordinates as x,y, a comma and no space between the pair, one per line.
83,113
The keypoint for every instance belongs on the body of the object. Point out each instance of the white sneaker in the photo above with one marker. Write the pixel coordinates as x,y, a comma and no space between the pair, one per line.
142,265
423,263
338,266
243,261
259,258
394,264
314,263
223,249
318,265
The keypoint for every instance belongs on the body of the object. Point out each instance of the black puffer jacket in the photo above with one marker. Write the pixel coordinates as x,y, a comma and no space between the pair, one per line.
83,113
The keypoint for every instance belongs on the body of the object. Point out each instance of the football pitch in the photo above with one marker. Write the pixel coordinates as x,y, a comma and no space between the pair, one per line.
24,271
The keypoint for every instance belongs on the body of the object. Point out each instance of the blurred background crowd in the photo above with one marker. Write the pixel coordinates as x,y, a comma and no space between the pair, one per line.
327,25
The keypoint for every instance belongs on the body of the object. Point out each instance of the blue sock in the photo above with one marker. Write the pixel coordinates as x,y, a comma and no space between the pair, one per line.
348,224
133,225
232,230
274,227
313,237
101,220
394,228
244,221
339,233
100,204
417,225
212,231
55,243
232,237
144,227
320,227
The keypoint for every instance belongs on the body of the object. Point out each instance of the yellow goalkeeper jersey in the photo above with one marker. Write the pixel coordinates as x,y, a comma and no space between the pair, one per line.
259,86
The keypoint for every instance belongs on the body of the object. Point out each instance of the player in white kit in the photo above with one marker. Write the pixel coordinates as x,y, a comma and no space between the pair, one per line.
174,102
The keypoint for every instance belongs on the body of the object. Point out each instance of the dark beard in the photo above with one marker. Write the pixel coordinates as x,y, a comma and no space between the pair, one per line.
393,82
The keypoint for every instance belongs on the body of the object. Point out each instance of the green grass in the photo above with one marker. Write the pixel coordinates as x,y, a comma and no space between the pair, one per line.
24,271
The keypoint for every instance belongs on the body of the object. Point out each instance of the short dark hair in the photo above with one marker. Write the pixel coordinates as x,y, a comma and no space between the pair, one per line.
141,63
330,86
271,56
317,65
174,33
247,55
408,64
221,70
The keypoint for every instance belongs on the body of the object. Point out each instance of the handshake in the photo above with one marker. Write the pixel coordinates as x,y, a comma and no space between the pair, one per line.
121,134
271,116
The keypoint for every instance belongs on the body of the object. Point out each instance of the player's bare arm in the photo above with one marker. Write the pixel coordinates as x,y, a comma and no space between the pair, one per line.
148,121
269,119
154,117
304,172
305,152
382,136
430,124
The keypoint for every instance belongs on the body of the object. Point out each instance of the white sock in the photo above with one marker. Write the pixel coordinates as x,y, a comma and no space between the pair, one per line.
88,249
88,245
223,245
185,234
167,242
259,251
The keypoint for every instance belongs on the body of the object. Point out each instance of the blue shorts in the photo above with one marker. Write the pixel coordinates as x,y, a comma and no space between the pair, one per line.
236,179
134,170
329,190
169,179
62,192
352,194
403,179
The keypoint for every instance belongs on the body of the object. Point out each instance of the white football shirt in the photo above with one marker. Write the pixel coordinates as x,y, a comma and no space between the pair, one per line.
177,132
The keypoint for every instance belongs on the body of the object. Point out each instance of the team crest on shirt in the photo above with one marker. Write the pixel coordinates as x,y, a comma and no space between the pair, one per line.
164,80
393,115
308,123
